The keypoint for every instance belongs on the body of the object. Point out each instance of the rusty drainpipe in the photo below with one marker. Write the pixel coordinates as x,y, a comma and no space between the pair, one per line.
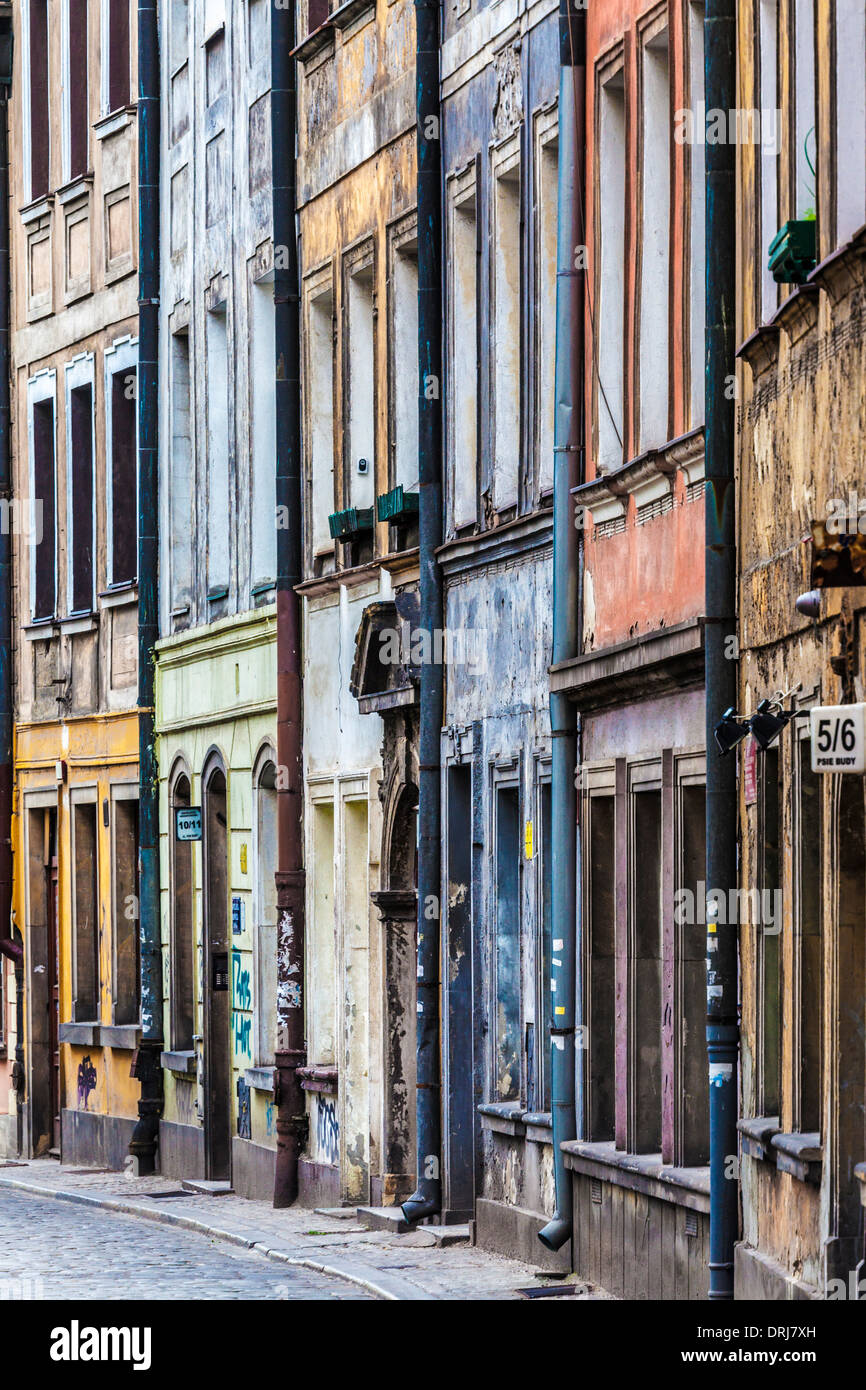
568,457
8,947
290,1051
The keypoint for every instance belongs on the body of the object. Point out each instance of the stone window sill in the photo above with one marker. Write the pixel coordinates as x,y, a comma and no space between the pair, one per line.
260,1079
801,1155
80,1034
180,1063
758,1134
124,1036
684,1187
505,1117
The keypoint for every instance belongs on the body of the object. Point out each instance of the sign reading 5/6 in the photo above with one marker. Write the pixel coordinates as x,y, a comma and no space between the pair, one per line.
839,738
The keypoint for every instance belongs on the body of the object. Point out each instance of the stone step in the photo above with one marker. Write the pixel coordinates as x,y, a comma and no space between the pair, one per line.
337,1213
207,1187
384,1219
449,1235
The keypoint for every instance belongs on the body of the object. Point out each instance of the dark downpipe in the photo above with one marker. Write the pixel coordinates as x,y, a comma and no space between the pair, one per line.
721,623
145,1137
290,1050
568,458
426,1200
8,947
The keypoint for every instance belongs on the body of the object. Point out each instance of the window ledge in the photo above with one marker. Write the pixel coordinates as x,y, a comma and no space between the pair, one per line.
758,1135
40,207
42,630
801,1155
121,597
181,1063
79,622
539,1127
114,121
349,11
80,1034
125,1036
79,187
260,1079
685,1187
319,1078
503,1118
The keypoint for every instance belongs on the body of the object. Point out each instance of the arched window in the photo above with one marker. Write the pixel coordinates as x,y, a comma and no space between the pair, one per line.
265,907
182,926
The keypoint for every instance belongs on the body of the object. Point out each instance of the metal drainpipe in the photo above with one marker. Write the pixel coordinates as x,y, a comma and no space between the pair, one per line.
290,1051
568,458
8,947
145,1137
721,623
427,1197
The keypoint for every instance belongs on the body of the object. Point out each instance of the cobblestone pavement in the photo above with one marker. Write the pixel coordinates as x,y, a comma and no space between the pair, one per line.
402,1267
50,1249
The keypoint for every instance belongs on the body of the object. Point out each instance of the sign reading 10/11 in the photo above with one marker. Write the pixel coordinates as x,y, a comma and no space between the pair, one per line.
187,822
839,738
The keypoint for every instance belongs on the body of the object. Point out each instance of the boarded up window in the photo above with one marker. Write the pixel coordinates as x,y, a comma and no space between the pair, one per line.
809,841
124,501
118,54
694,1136
646,971
86,1003
126,948
45,585
507,1060
39,159
81,498
79,124
770,1040
182,938
601,991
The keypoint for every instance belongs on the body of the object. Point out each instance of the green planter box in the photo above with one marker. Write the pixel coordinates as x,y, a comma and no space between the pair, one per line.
397,505
350,523
793,252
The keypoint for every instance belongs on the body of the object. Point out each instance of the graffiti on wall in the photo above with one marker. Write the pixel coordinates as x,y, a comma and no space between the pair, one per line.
242,1003
244,1124
327,1129
86,1082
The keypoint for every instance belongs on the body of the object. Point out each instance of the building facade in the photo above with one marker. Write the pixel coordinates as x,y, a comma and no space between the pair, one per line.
639,1162
356,215
802,831
216,658
74,336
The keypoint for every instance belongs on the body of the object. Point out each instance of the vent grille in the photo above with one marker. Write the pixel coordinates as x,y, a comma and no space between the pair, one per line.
595,1191
691,1223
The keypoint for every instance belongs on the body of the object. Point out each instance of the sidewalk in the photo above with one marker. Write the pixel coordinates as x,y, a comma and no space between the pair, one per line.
396,1267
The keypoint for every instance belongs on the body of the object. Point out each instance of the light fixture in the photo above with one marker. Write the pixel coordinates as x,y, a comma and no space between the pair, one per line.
767,723
809,604
730,730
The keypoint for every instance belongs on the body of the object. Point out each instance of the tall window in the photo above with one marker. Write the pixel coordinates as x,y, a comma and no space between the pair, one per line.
610,279
405,366
38,82
769,941
601,982
809,840
655,244
805,157
126,913
769,162
545,257
263,426
76,156
121,464
506,338
115,51
360,456
323,954
80,508
464,376
43,554
850,118
507,1049
183,989
266,911
180,489
697,256
219,519
646,953
85,904
320,394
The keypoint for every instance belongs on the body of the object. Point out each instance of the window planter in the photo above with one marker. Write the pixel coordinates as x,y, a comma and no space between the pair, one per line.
397,505
351,523
792,253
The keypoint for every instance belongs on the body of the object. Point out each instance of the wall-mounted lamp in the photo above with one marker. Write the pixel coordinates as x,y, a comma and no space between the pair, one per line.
730,730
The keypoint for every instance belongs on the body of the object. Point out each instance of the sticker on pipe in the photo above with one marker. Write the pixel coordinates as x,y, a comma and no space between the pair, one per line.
839,738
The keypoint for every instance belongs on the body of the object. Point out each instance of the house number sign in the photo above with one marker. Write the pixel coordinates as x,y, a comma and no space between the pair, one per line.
187,822
839,738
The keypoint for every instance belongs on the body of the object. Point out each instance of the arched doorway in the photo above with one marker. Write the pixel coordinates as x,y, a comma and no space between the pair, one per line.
217,946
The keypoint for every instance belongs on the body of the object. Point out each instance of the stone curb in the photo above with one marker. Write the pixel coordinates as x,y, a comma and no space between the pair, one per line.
374,1281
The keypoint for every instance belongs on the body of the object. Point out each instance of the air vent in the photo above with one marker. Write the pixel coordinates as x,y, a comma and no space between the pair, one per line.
595,1191
691,1223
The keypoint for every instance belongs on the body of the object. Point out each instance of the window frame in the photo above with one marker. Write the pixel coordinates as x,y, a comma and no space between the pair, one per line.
42,386
121,791
263,1056
121,356
181,771
80,371
87,794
